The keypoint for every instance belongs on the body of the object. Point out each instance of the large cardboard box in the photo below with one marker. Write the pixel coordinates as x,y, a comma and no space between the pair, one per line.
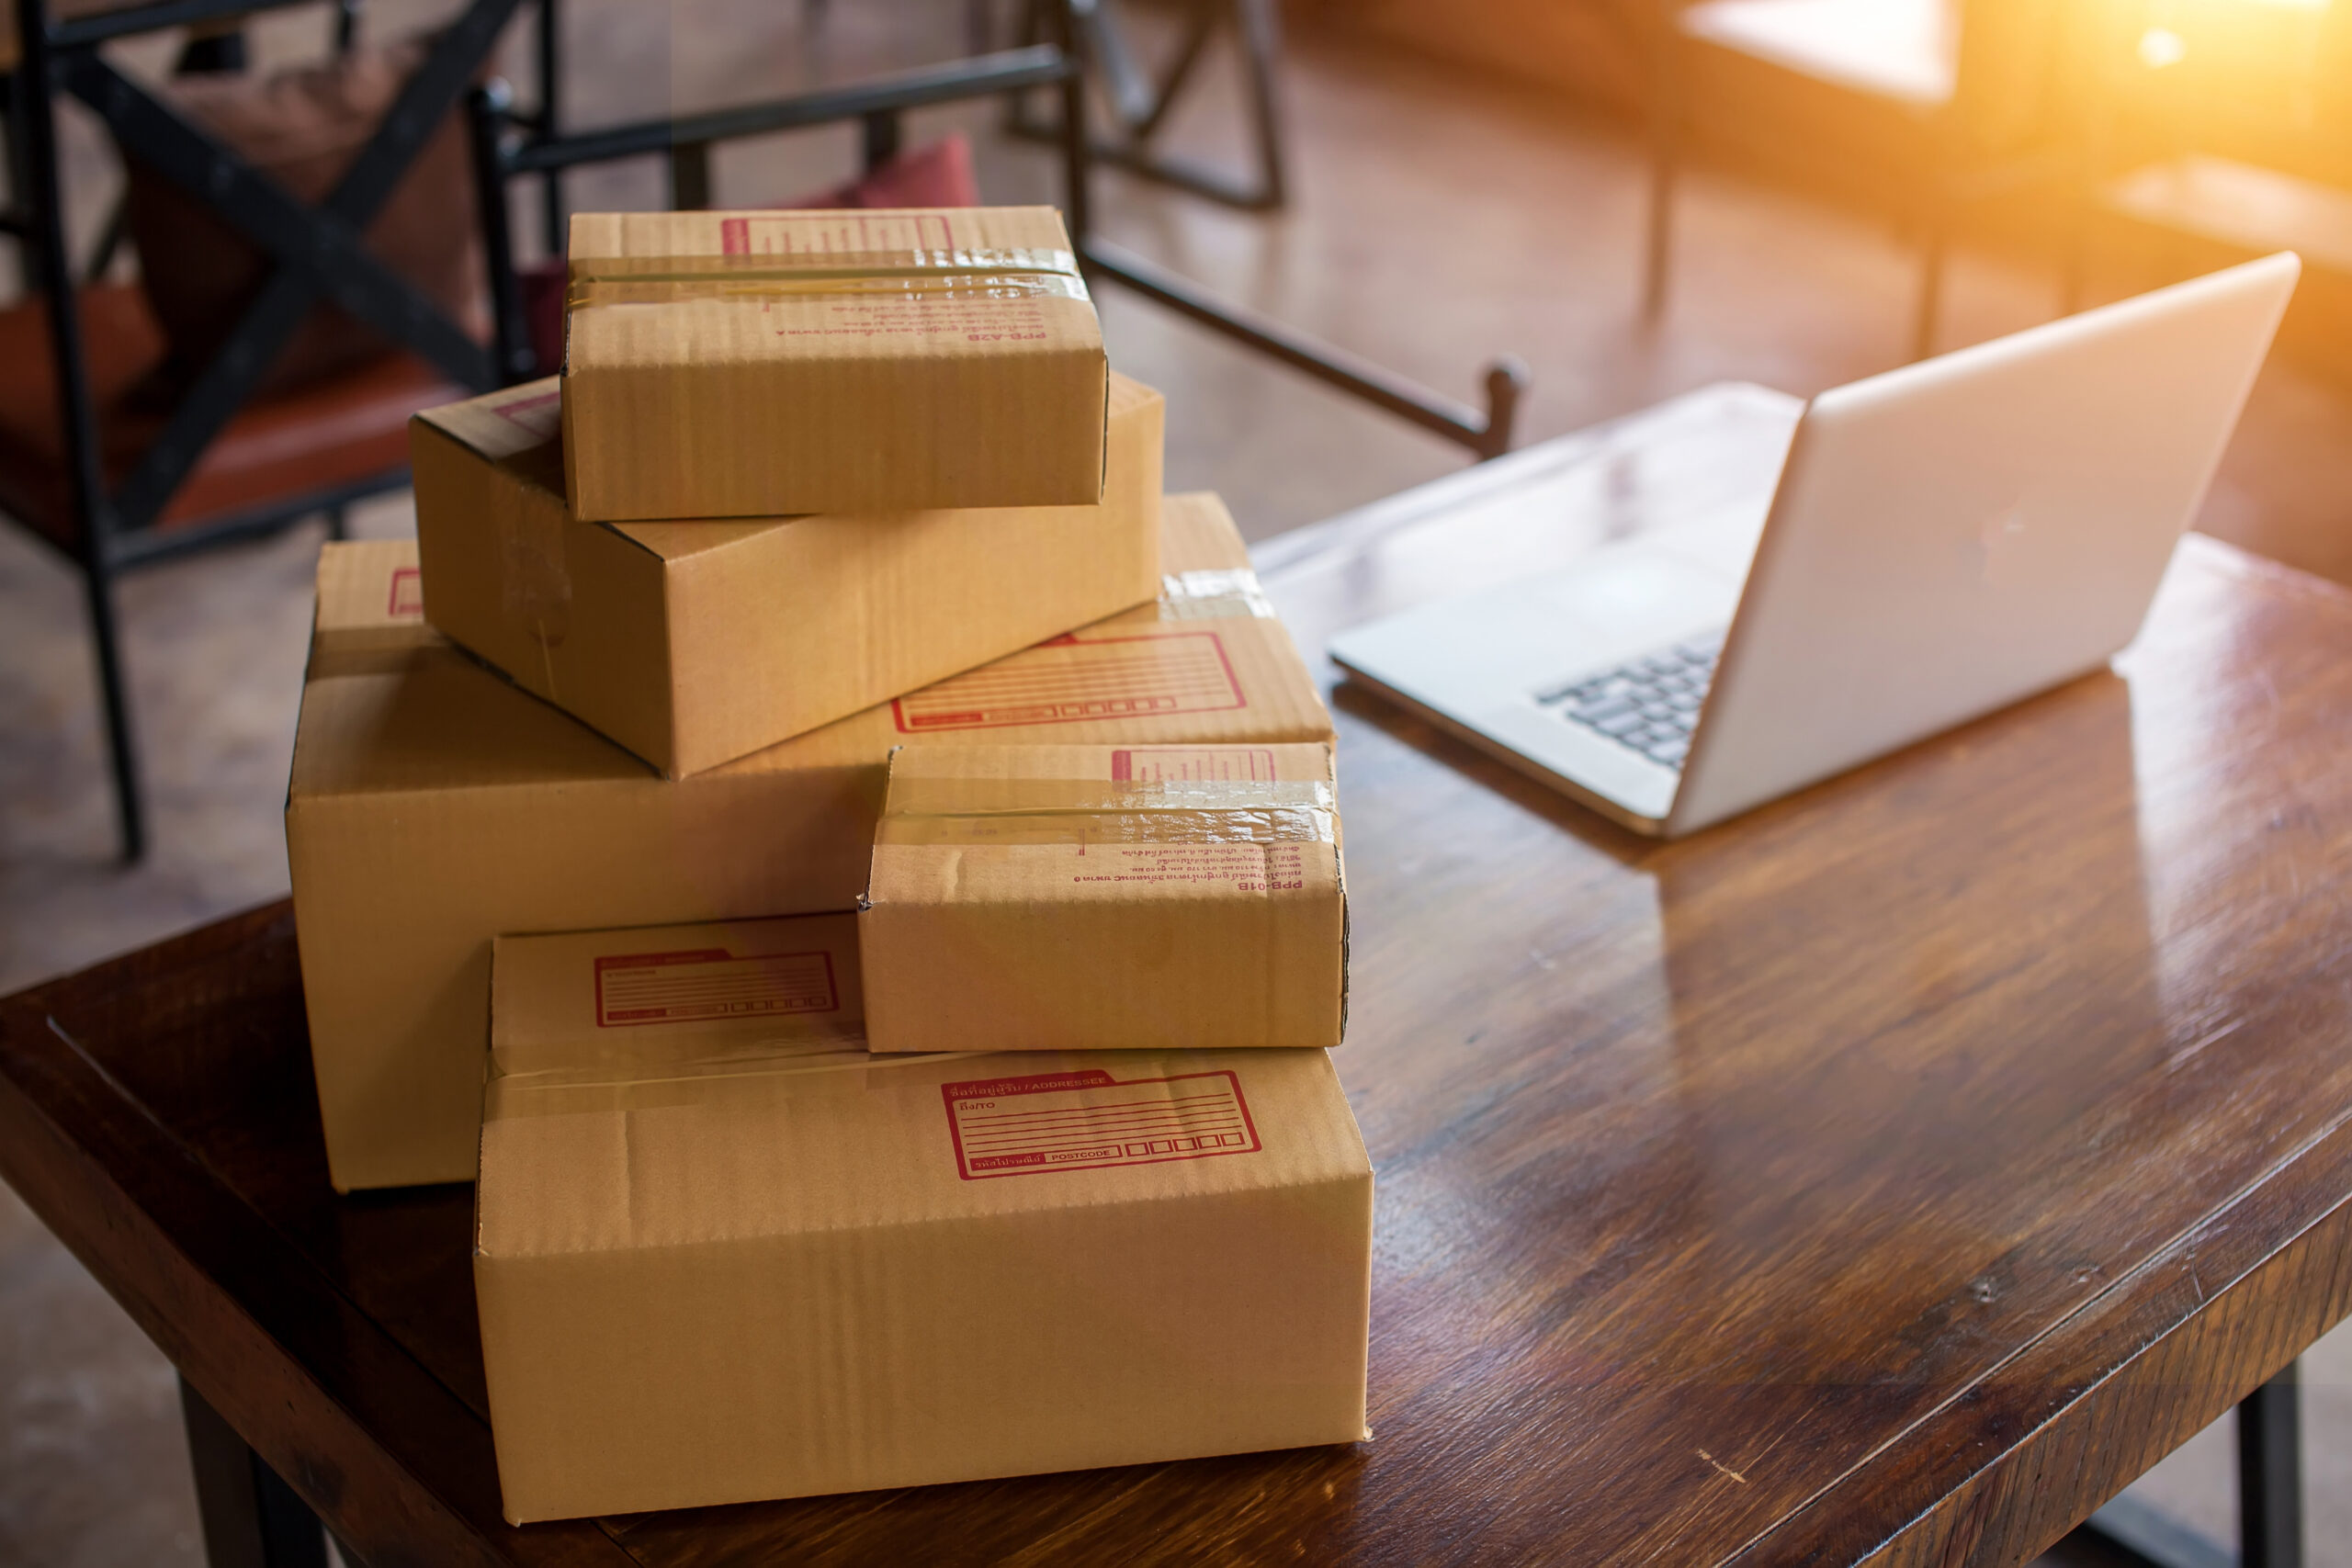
1106,897
434,806
695,643
755,364
773,1266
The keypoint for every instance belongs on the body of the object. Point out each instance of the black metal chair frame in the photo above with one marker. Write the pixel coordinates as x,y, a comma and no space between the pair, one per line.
317,253
1140,102
509,144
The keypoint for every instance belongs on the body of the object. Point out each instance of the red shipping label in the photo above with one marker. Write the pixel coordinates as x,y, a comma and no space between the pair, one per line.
1069,681
1089,1120
683,987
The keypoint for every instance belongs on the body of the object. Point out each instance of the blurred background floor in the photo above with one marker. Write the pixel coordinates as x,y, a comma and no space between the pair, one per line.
1439,216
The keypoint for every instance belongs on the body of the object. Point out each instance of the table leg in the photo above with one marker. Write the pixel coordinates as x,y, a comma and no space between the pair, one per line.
2270,1474
2271,1498
251,1520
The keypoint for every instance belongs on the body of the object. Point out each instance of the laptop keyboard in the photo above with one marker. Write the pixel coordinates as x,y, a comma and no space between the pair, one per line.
1646,704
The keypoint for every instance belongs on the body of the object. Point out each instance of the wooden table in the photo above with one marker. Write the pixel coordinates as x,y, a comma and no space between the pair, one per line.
1894,1173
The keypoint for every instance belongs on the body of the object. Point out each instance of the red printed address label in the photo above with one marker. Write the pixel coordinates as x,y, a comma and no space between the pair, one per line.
1070,681
1190,765
1089,1120
711,982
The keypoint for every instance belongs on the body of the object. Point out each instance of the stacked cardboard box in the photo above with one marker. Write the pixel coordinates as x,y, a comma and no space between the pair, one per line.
828,600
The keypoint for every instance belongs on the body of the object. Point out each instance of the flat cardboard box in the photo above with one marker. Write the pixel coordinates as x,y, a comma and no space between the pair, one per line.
755,363
775,1272
1106,897
695,643
434,806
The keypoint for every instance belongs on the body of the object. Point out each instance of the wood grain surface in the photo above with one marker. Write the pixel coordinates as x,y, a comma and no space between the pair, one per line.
1890,1175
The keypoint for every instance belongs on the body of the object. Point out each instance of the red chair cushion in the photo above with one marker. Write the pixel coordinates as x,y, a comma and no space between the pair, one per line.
337,431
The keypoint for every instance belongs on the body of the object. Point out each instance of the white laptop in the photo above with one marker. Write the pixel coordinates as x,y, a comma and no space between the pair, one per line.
1944,540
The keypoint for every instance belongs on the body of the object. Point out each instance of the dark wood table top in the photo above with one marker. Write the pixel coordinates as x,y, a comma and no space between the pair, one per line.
1900,1169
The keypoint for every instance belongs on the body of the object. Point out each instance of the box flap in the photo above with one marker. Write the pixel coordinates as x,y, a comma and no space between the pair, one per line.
796,1146
581,1002
371,601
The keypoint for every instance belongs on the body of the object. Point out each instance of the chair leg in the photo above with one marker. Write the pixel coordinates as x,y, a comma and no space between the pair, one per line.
1931,292
879,137
113,692
1658,250
2270,1475
1666,151
338,523
1077,151
550,83
1261,29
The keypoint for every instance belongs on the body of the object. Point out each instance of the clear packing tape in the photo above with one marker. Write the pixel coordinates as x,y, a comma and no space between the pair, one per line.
1213,595
967,812
611,1083
884,275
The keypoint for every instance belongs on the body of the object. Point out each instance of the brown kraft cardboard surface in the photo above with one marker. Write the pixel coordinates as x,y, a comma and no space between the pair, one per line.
1106,897
767,1265
434,806
755,363
694,643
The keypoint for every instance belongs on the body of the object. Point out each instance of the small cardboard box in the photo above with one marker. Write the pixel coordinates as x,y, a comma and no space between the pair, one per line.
755,363
695,643
779,1268
434,806
1106,897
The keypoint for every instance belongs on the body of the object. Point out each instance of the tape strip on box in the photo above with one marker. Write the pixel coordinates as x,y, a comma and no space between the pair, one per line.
952,811
1018,274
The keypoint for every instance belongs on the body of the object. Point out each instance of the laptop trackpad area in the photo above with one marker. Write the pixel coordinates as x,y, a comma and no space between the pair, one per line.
1483,659
1505,644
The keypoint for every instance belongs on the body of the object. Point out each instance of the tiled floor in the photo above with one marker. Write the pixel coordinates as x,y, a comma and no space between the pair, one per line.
1440,219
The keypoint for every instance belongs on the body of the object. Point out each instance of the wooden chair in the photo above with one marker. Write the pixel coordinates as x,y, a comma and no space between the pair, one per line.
2225,137
1952,101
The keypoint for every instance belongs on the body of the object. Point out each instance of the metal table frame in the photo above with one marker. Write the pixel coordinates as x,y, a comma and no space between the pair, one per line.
2270,1496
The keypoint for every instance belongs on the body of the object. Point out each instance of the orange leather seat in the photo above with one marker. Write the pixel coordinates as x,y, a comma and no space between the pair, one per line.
327,433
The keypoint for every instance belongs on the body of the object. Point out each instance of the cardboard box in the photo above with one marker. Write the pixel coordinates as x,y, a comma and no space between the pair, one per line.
755,364
743,1276
694,643
1106,897
435,806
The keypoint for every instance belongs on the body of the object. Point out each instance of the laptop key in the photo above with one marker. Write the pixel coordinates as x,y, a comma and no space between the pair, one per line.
1647,704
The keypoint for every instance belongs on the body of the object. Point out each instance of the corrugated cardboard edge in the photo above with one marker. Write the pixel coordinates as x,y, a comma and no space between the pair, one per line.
889,758
549,571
